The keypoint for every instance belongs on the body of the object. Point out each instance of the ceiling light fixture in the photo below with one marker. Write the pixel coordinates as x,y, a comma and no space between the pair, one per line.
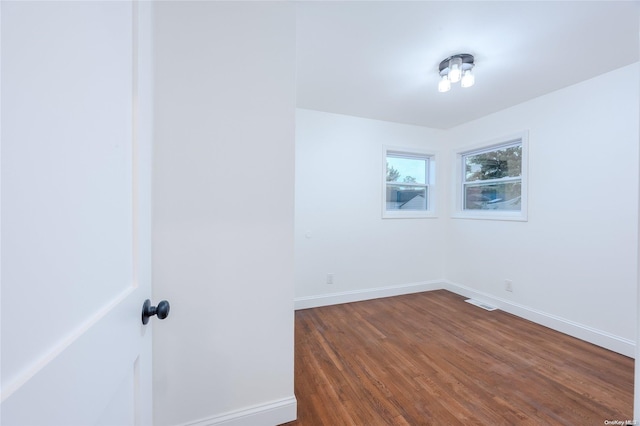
456,68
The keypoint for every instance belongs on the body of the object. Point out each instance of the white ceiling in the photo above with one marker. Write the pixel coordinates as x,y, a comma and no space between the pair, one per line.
380,59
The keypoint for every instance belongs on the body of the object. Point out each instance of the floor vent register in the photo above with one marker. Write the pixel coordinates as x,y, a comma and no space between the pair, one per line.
482,305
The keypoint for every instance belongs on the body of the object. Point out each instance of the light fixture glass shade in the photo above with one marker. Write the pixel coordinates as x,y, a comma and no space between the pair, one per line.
468,79
444,85
455,69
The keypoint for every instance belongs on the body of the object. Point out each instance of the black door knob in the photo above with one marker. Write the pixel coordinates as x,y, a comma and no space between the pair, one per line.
162,310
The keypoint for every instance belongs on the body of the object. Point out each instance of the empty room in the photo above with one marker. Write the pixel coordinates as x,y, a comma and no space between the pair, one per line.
319,213
373,129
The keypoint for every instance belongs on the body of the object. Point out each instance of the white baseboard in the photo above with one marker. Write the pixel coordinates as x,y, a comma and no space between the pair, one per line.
270,413
597,337
365,294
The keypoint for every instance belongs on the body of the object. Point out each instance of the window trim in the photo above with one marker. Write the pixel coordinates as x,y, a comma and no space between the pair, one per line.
459,180
429,185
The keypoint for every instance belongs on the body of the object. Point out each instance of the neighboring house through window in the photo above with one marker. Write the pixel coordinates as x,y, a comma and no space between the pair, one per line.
408,178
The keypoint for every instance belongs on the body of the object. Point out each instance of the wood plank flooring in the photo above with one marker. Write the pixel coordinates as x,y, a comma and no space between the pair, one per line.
433,359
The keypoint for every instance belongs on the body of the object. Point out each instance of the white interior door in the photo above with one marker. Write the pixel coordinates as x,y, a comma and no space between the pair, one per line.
75,225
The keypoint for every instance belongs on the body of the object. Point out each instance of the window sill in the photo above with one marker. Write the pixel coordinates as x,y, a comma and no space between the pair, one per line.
491,215
408,215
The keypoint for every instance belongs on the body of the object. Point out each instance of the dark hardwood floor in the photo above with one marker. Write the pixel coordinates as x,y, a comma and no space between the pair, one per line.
432,359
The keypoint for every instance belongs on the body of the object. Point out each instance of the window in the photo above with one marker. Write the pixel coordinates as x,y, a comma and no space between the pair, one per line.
408,177
492,181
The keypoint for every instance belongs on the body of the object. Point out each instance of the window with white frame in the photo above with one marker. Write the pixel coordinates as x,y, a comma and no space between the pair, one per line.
492,180
408,177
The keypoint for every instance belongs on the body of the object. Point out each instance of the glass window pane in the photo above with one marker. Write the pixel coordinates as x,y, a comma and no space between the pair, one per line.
406,198
501,196
406,170
500,163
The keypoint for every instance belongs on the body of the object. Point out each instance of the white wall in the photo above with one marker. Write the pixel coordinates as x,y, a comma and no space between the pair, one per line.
576,257
223,212
636,395
338,218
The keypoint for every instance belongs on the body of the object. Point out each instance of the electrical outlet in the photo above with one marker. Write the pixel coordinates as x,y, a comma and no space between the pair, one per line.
508,285
329,278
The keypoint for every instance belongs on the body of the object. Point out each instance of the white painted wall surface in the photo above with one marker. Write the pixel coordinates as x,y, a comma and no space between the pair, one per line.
338,225
576,257
636,394
225,111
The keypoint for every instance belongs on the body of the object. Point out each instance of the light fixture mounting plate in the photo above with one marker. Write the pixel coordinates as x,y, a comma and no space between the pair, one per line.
467,62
